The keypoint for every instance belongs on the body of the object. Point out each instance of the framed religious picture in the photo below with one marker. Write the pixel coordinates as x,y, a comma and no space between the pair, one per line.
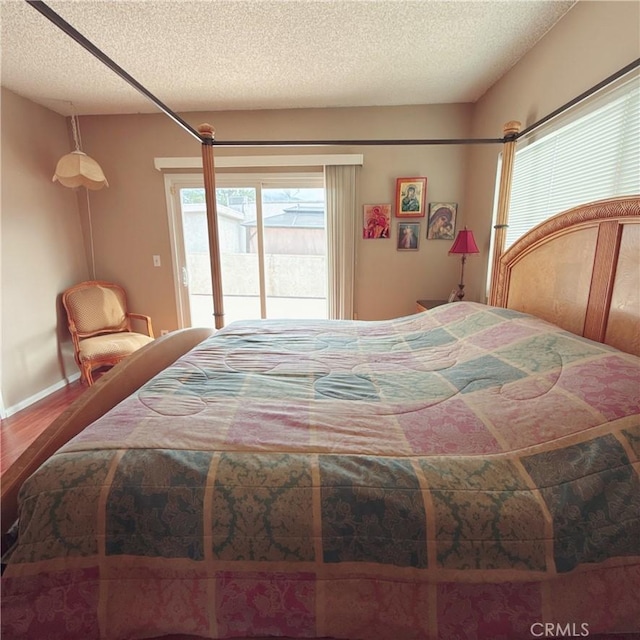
408,236
377,221
411,195
442,221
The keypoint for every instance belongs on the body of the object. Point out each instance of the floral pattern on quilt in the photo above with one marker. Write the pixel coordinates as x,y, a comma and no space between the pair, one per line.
62,521
163,517
265,604
593,495
273,520
501,612
372,511
494,522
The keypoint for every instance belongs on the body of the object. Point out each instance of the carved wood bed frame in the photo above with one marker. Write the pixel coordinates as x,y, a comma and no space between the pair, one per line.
579,270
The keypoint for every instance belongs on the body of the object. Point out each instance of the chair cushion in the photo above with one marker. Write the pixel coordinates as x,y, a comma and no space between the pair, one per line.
112,345
97,308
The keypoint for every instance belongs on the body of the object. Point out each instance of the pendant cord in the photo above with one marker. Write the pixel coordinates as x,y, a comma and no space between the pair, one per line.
75,128
93,256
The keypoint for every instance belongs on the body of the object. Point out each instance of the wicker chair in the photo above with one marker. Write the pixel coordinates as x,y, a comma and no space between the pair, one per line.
100,325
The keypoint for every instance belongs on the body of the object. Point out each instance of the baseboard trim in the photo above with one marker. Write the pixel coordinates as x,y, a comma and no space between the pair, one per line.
27,402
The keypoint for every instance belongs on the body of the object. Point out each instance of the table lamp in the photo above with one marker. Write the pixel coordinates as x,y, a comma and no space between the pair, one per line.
463,245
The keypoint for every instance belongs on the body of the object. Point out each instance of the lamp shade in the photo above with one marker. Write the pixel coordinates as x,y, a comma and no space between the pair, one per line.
77,169
464,243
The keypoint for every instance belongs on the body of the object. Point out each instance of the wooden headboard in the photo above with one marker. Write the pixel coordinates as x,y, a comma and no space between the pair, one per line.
581,271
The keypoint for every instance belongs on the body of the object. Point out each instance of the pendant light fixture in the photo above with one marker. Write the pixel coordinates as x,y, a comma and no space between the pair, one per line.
77,169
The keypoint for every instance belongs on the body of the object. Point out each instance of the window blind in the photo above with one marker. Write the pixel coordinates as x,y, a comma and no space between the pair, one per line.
594,156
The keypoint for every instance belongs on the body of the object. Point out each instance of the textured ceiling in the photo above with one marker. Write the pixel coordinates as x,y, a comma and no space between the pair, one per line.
208,55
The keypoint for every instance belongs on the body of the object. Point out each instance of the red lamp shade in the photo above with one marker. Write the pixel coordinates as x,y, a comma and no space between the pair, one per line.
465,243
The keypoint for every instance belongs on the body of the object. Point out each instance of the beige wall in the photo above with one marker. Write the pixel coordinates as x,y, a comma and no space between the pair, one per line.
130,218
42,250
592,42
41,228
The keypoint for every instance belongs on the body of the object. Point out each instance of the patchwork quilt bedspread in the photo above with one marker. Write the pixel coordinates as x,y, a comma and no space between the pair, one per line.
469,472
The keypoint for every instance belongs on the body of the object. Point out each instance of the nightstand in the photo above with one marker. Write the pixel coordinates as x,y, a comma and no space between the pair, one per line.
425,305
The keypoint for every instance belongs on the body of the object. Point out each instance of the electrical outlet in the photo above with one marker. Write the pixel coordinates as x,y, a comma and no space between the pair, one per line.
156,261
163,332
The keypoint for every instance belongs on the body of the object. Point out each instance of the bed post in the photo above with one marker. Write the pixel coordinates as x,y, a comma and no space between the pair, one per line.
207,132
510,130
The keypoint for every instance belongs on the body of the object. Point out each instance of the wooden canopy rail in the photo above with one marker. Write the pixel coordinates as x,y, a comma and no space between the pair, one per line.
205,134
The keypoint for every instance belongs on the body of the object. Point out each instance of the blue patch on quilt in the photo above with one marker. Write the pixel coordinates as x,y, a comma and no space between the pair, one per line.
372,511
155,504
481,373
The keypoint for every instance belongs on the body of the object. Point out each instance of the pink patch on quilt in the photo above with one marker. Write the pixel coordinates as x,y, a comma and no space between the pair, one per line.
611,385
502,334
532,411
126,418
447,427
270,424
380,609
451,312
66,608
488,611
265,604
608,600
143,602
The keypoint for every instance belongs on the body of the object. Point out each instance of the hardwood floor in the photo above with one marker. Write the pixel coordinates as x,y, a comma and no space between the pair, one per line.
19,430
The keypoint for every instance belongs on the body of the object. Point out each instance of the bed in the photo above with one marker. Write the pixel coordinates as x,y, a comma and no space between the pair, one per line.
470,472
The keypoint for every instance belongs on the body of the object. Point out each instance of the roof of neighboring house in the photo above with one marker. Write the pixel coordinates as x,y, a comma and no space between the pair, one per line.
302,215
221,209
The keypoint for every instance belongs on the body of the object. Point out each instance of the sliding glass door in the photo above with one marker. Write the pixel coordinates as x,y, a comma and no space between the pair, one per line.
240,268
295,252
272,235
